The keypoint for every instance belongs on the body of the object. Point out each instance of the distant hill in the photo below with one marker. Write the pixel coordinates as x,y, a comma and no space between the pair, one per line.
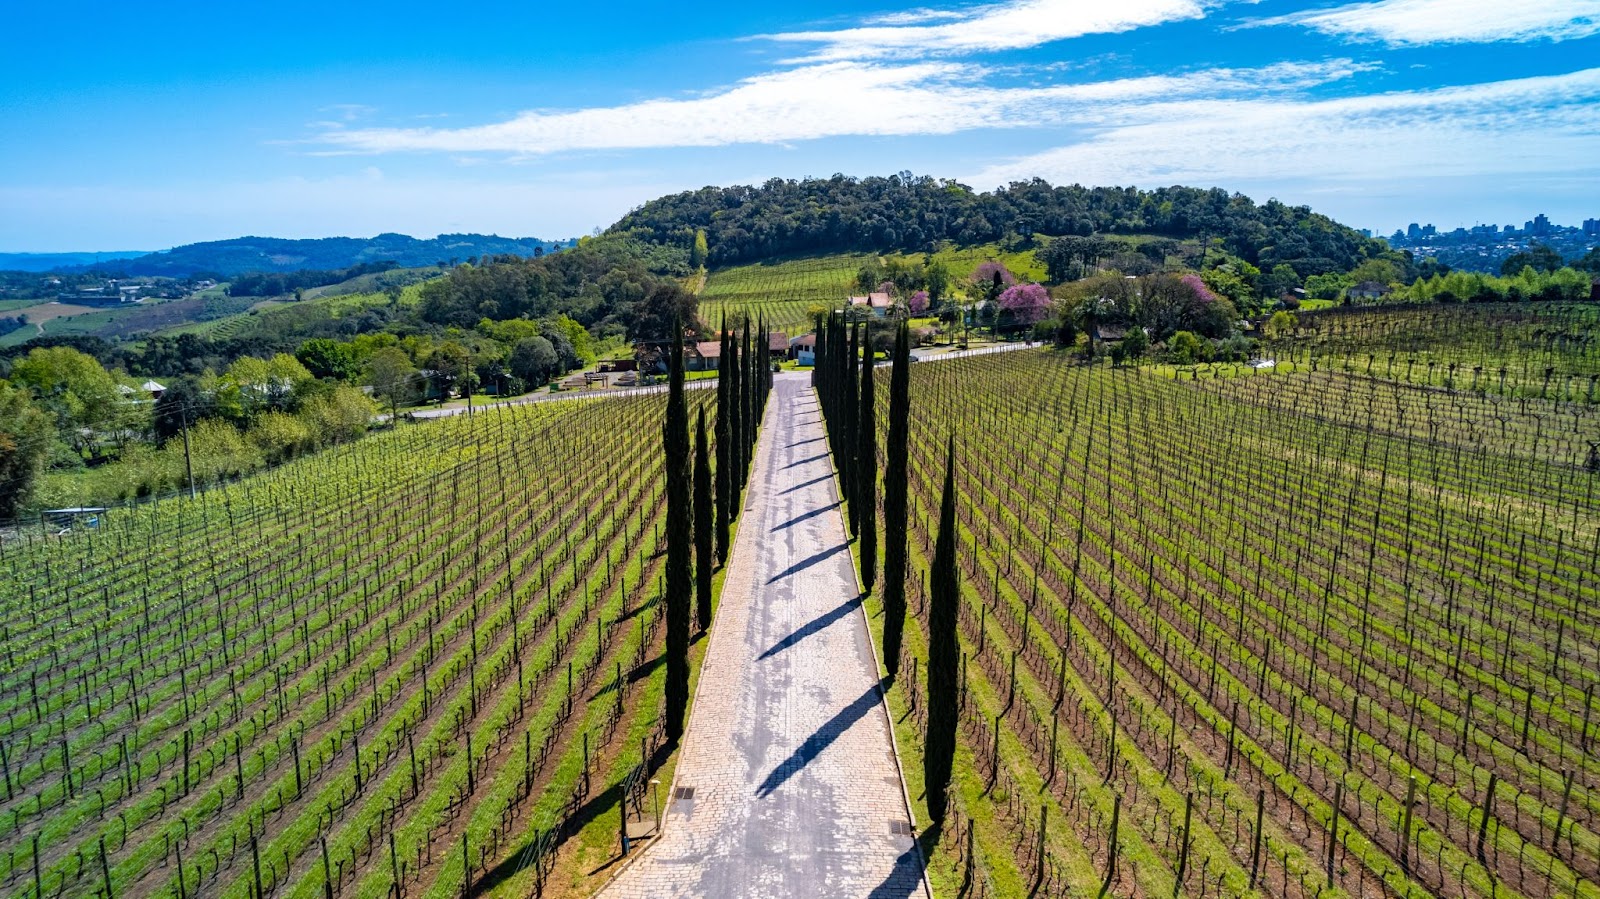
49,262
912,213
273,254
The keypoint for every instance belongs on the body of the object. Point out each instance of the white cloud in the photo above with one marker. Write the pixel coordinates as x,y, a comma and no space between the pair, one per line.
1002,26
1416,22
1533,130
916,17
825,100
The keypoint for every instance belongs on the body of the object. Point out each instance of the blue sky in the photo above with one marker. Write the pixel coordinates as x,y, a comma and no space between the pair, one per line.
145,125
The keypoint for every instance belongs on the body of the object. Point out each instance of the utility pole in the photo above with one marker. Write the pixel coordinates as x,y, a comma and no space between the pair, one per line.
188,461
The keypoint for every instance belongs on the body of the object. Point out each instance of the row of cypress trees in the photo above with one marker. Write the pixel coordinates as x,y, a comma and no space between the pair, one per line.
846,392
702,503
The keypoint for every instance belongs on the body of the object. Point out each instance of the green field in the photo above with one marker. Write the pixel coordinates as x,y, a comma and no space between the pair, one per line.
1293,596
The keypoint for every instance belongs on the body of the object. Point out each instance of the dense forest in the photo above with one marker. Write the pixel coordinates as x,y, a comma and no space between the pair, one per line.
276,284
226,258
913,213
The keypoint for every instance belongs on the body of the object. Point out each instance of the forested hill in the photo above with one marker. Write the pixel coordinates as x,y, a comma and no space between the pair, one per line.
911,213
274,254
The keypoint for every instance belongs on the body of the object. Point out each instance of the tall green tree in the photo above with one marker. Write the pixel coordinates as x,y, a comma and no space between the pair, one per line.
895,473
944,655
729,367
25,435
724,457
867,476
847,422
704,560
675,452
393,379
752,386
74,388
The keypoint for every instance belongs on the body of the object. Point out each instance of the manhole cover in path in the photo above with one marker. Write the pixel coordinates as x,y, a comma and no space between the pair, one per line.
683,793
900,828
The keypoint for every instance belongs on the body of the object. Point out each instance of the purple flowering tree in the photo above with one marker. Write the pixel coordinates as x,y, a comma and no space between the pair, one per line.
886,287
1026,303
1201,291
919,302
983,275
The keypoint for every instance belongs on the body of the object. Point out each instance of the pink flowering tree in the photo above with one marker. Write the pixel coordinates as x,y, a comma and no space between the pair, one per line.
1201,291
886,287
1025,304
919,302
983,277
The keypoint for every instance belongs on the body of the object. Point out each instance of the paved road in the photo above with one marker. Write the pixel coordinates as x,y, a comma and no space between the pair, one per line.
789,752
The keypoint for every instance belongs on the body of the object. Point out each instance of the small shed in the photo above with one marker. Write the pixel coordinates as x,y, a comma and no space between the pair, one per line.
64,520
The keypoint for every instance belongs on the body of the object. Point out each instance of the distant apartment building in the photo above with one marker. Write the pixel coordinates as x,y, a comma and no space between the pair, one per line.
1591,227
1540,226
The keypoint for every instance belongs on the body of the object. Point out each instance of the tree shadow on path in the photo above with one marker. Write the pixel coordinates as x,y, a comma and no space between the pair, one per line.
809,561
820,740
802,486
805,516
905,879
813,626
806,461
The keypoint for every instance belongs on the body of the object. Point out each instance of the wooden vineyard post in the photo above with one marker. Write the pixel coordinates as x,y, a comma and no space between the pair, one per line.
1038,868
1183,843
466,870
1561,816
394,864
1333,830
183,889
1255,849
327,869
255,863
105,869
1111,857
1405,826
1488,809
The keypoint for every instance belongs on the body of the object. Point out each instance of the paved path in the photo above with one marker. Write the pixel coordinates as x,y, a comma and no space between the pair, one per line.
789,753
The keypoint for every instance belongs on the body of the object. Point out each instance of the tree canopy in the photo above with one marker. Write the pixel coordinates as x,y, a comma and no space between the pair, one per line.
913,213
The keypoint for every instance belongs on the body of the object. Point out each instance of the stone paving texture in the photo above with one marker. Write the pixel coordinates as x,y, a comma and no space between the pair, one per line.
789,750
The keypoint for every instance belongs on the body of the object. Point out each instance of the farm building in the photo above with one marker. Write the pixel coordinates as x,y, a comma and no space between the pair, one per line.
803,349
703,356
879,303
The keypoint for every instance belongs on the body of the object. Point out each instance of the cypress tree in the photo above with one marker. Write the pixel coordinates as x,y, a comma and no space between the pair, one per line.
847,428
944,659
702,523
675,452
894,500
867,476
752,386
730,370
724,444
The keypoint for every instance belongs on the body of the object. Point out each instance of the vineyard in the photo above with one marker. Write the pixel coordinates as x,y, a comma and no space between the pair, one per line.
1313,633
783,294
407,667
1544,350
